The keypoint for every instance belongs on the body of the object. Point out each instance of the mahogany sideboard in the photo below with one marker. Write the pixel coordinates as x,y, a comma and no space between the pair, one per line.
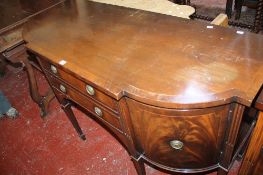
172,91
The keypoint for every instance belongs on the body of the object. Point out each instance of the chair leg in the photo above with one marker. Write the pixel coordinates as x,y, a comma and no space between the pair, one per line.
229,4
238,8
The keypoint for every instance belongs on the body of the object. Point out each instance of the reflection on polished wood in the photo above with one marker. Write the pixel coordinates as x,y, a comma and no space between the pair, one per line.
172,90
194,69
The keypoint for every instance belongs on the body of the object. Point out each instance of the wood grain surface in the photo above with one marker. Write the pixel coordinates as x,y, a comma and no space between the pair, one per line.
156,59
200,131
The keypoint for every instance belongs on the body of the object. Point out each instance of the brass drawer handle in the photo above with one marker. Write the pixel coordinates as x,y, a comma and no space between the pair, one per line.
53,69
98,111
176,144
62,88
90,90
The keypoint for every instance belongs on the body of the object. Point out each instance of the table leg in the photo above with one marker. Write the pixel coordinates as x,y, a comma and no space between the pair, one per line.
42,101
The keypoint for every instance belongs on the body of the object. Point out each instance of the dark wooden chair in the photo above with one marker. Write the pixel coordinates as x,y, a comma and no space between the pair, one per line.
256,4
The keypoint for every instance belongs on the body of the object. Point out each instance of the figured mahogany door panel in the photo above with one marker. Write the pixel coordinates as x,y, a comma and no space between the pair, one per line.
96,109
183,139
84,87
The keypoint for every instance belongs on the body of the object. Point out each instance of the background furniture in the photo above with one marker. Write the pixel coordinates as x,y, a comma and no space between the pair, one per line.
14,14
229,6
235,21
258,5
171,95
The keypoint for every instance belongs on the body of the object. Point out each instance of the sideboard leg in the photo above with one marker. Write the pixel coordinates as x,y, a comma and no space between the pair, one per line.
139,166
235,116
67,109
221,172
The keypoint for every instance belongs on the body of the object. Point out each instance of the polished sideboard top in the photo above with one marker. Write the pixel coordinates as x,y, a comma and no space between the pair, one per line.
156,59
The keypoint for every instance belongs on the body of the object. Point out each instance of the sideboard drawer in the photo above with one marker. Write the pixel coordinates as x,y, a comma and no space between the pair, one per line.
93,107
181,139
85,88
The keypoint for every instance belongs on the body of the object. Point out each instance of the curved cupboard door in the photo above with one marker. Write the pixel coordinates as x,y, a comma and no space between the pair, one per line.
183,139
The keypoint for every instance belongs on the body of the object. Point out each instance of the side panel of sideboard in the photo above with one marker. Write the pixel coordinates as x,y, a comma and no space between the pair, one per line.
253,160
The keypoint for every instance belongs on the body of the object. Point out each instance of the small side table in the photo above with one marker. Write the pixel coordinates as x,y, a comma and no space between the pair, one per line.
13,51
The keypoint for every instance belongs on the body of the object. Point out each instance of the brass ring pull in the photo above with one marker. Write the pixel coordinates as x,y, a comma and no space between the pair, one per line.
98,111
176,144
53,69
62,88
90,90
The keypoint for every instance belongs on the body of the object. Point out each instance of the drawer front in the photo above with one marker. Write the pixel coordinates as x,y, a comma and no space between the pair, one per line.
93,107
184,139
84,88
